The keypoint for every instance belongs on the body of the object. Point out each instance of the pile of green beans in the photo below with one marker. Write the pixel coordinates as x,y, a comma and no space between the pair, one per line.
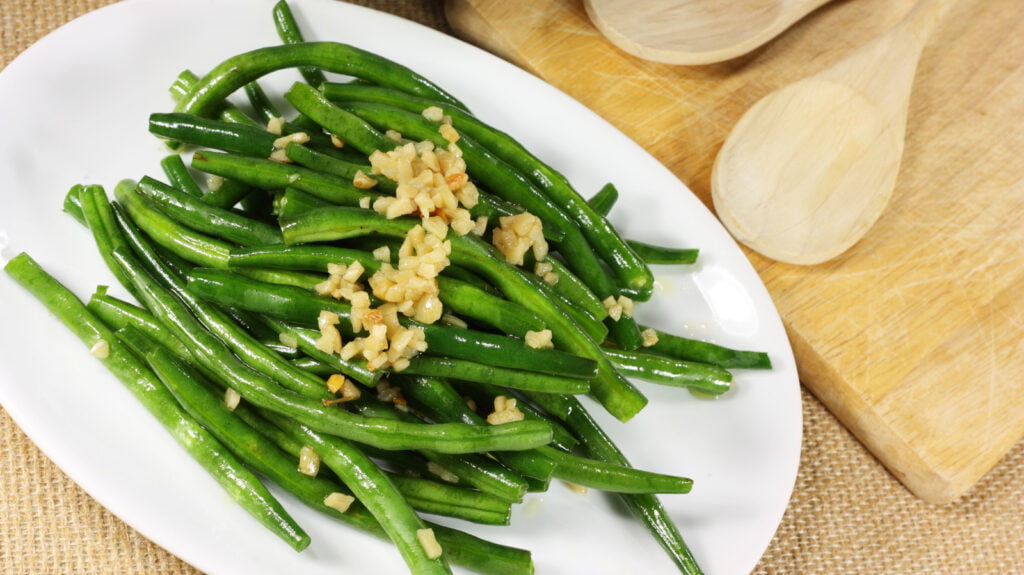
223,271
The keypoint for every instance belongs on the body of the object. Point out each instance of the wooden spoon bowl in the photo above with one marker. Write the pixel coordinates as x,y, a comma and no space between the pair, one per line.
693,32
809,168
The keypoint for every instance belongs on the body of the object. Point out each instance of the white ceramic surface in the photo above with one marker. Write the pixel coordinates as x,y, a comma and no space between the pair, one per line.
76,106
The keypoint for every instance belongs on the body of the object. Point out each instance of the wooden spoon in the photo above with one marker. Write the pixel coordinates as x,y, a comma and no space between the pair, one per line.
694,31
809,168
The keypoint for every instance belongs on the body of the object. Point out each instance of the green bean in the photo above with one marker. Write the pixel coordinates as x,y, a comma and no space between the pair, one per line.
292,202
605,198
304,280
267,174
224,192
260,102
572,289
73,204
480,393
119,314
169,233
355,131
312,257
241,484
429,496
99,218
290,33
614,392
447,367
687,349
655,254
236,71
646,506
611,477
214,356
177,173
217,222
298,305
194,130
225,111
374,489
702,377
466,300
321,162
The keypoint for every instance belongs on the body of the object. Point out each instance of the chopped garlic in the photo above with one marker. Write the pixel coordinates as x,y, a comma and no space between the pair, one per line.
515,235
650,337
539,339
309,461
330,338
100,349
343,387
339,501
442,473
429,543
288,340
581,489
505,411
231,399
362,181
276,126
433,113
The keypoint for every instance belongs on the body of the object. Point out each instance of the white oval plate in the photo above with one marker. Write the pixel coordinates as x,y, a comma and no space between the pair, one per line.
76,106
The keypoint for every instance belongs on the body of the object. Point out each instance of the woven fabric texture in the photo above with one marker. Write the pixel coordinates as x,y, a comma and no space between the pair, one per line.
847,513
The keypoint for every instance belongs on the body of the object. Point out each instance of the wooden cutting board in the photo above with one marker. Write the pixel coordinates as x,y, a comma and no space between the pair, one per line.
915,337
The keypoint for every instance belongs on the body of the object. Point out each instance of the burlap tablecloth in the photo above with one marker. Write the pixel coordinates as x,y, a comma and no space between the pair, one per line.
847,513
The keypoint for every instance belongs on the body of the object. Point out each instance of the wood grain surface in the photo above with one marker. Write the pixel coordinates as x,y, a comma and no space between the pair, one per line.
914,338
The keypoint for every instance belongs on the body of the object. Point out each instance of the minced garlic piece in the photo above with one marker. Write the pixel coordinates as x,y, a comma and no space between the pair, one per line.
429,543
309,461
382,254
650,337
339,501
505,411
442,473
295,138
276,126
539,339
546,272
518,234
343,387
100,349
231,399
454,321
618,307
433,113
330,338
627,305
362,181
366,202
288,340
581,489
213,183
480,227
336,141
